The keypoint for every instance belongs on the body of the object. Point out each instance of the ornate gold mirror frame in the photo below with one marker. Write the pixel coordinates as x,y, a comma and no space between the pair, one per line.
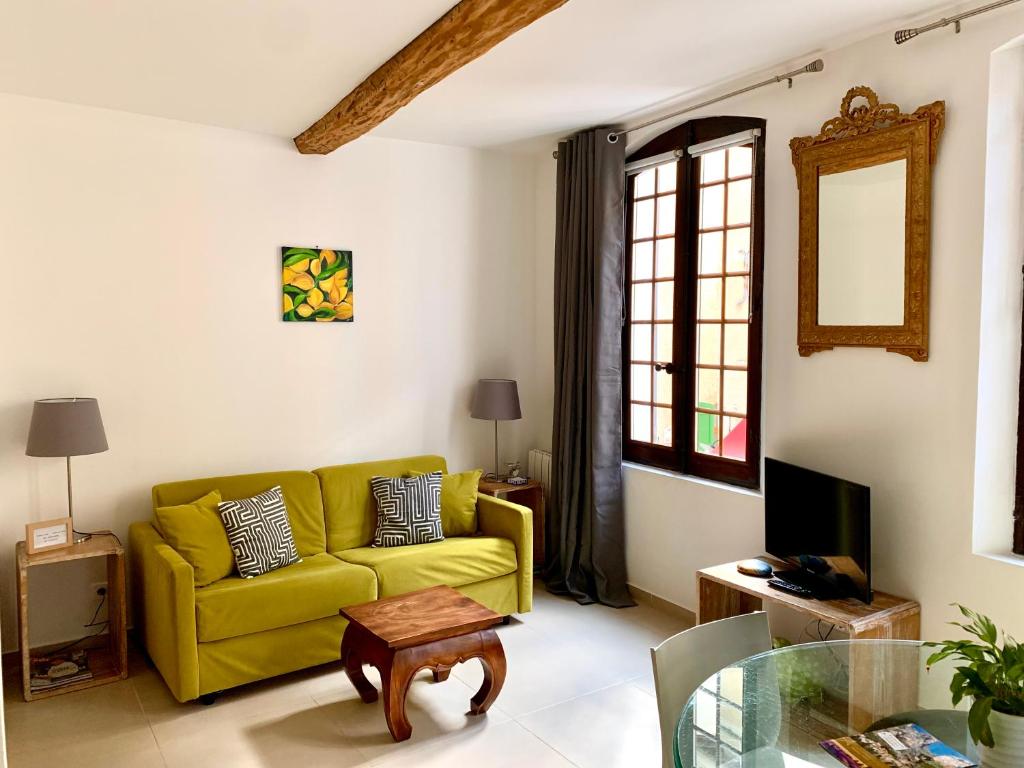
865,135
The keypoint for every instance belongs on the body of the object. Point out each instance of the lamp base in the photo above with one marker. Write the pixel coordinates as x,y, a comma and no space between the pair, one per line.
495,477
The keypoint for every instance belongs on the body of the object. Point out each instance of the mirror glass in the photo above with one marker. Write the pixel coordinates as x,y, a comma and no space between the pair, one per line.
862,245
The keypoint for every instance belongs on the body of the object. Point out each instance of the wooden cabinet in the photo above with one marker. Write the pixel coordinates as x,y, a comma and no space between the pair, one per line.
529,495
107,663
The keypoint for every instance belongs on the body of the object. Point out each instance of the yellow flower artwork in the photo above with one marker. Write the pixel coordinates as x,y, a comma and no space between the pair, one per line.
317,285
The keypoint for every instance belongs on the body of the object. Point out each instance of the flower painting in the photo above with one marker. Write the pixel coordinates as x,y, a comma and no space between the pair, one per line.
317,284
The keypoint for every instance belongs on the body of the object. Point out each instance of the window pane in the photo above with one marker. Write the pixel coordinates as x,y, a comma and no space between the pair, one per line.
640,423
734,444
667,215
709,343
643,261
708,388
643,219
735,391
735,344
739,202
663,343
663,426
710,253
737,299
709,298
707,428
644,184
667,177
739,161
640,343
712,202
663,301
712,166
663,388
737,250
642,298
640,382
665,258
730,681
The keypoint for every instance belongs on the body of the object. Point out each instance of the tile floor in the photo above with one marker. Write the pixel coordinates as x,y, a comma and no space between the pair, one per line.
579,692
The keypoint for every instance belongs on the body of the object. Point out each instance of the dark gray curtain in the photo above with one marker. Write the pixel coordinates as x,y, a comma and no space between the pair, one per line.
585,553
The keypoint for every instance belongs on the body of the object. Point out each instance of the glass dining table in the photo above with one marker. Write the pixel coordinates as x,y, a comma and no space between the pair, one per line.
773,710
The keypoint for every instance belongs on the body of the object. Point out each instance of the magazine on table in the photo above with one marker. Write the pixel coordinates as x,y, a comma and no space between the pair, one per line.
904,746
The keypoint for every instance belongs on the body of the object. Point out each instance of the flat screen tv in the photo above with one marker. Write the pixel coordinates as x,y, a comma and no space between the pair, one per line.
821,525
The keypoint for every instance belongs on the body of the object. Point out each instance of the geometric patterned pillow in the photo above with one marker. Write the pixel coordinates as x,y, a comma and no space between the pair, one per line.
408,510
259,533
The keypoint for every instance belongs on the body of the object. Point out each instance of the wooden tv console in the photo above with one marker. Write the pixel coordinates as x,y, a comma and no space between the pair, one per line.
723,592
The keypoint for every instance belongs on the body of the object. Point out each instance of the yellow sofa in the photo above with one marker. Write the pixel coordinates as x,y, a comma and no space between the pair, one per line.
234,631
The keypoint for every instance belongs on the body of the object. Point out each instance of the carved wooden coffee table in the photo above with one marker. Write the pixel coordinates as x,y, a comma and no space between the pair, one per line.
433,628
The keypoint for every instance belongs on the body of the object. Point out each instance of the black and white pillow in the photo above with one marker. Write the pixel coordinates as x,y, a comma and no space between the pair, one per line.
259,533
408,510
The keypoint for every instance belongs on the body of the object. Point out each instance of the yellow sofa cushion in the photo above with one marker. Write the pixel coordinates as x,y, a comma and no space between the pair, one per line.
455,562
458,502
301,497
197,534
349,507
312,589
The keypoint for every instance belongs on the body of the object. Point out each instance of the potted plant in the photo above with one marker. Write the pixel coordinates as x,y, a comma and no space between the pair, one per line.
993,676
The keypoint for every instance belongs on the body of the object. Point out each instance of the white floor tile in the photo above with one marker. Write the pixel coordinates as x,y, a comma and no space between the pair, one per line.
613,728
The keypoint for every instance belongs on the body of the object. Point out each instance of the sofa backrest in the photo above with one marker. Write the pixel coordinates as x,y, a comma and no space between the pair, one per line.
301,497
350,510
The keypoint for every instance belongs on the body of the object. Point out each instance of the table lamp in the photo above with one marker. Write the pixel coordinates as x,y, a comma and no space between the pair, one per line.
496,400
66,426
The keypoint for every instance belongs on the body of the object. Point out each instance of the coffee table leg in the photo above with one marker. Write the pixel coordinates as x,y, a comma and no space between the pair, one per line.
353,662
441,673
493,661
395,679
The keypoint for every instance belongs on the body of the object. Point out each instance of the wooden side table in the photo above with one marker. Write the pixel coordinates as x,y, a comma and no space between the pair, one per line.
529,495
107,664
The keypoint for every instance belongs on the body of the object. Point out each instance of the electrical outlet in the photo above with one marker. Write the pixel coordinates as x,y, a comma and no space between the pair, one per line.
99,588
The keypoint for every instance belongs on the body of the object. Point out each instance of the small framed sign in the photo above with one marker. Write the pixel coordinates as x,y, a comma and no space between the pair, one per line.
48,534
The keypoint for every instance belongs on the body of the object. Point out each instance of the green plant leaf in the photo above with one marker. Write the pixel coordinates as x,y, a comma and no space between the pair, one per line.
291,290
977,721
301,255
324,312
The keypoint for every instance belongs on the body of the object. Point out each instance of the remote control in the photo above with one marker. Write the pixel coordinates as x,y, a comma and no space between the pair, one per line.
793,589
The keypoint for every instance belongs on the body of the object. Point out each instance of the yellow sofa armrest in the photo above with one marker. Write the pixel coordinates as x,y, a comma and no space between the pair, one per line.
165,609
497,517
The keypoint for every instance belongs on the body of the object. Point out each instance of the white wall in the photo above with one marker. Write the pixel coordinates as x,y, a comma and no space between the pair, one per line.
143,268
999,356
906,429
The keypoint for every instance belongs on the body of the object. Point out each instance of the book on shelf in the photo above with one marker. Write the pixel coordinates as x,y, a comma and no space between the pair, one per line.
903,746
58,670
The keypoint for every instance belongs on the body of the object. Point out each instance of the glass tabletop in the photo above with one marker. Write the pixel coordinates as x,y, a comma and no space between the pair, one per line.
773,709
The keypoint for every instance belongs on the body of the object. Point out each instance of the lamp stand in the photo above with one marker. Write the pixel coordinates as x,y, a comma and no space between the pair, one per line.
77,536
497,477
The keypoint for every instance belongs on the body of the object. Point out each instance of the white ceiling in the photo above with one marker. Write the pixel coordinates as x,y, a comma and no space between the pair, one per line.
274,66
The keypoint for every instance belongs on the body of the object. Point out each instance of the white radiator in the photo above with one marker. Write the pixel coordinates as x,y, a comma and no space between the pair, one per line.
539,468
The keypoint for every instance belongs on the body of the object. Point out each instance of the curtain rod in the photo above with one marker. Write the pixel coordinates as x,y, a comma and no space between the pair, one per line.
903,35
815,66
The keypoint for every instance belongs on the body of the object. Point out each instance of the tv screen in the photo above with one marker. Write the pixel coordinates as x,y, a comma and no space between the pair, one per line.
821,525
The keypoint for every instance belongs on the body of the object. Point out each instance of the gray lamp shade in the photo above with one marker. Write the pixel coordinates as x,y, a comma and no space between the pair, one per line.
66,426
496,400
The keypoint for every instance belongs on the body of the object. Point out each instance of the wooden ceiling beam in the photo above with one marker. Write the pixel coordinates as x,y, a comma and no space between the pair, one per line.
467,31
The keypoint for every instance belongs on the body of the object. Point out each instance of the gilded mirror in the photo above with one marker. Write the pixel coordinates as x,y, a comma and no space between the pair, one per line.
865,208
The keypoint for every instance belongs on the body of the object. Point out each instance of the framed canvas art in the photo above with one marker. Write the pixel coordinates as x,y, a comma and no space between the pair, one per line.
317,285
